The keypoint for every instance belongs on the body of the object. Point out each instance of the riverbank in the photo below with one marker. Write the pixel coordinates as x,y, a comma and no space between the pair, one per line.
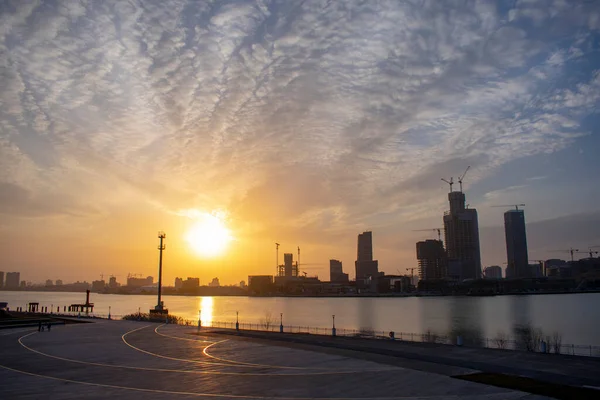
312,295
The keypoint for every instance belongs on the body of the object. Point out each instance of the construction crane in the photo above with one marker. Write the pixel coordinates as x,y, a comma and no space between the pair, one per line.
571,250
449,182
591,251
460,179
438,230
516,206
277,258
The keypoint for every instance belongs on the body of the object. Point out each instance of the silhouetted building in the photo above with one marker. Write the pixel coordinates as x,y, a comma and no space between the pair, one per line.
365,247
493,272
461,229
516,245
12,280
133,282
336,274
243,284
112,282
432,260
260,284
537,270
178,283
214,283
365,265
98,286
288,261
58,282
1,279
190,284
557,268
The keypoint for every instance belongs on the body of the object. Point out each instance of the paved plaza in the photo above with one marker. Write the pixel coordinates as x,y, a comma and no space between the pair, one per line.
124,359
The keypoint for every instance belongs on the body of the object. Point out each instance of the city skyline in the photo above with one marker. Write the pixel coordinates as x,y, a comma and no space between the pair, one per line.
293,122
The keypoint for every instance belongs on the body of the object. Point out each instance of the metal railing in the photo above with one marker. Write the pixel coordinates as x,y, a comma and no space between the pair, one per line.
540,346
543,345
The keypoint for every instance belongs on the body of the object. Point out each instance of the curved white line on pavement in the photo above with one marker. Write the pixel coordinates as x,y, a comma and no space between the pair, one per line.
254,365
97,364
233,396
180,338
240,363
326,372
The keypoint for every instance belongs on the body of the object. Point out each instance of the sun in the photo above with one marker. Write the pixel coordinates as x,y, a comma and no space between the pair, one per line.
209,235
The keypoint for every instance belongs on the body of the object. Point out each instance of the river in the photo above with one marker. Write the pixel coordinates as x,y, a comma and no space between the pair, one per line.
574,316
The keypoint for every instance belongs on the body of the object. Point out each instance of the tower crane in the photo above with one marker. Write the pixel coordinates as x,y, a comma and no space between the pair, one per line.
591,251
460,179
449,182
516,206
571,250
277,258
438,230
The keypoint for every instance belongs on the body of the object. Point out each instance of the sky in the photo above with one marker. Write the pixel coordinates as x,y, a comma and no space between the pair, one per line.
297,122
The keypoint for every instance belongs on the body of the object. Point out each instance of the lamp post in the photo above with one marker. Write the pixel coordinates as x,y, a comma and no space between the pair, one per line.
109,312
280,322
237,321
161,247
333,327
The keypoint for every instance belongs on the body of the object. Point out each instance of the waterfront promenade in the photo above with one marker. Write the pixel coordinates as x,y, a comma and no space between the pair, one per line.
124,359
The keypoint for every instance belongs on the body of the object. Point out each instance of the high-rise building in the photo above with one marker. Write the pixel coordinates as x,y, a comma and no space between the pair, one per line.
178,283
336,274
59,282
365,247
462,239
1,279
516,245
493,272
288,261
112,282
365,265
12,280
432,260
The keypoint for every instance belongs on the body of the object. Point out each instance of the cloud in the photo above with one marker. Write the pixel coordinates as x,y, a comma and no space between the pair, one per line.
495,194
320,114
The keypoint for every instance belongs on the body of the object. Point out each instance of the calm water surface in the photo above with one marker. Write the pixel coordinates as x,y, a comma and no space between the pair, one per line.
575,316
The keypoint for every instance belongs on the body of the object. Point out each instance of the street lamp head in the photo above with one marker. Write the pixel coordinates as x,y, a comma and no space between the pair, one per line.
161,235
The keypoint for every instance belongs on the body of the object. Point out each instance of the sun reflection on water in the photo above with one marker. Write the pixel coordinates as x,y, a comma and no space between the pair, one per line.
206,308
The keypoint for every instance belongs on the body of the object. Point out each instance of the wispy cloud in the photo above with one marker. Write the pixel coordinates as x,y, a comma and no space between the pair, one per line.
495,194
285,110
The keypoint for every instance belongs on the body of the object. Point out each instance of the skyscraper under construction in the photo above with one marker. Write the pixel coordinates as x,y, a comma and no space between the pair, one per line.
462,239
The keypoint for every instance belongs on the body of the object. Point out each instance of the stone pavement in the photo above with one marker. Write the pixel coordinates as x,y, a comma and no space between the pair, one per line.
552,368
124,359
